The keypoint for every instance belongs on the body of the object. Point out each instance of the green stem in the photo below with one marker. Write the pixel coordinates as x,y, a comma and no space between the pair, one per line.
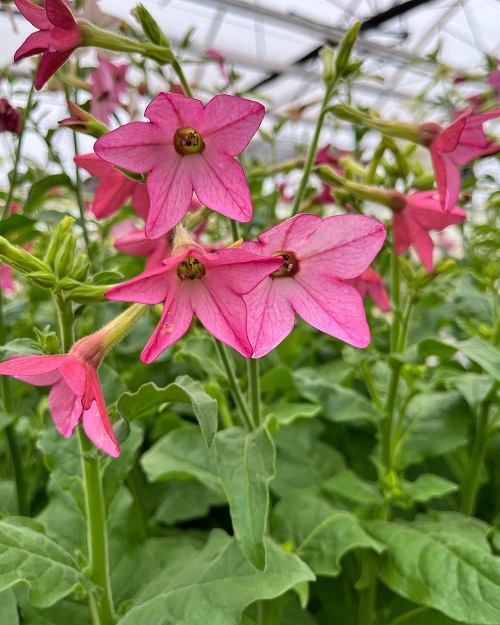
409,615
17,158
96,530
234,229
182,78
253,370
312,149
234,387
395,300
136,485
368,590
367,376
405,323
374,162
471,485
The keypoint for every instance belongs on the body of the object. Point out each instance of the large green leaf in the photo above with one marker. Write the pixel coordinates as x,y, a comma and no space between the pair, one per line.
149,397
320,533
434,424
246,465
477,350
441,570
350,486
215,585
39,190
27,555
8,608
182,454
425,488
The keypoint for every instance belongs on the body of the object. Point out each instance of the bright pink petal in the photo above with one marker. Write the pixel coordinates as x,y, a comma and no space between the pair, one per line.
221,184
448,180
94,165
138,146
74,371
62,39
170,191
48,66
140,199
402,238
423,244
150,287
428,213
33,367
170,112
36,42
59,14
65,408
230,122
270,315
34,14
331,307
96,422
174,323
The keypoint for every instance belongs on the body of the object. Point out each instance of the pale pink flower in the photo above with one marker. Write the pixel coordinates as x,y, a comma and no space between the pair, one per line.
208,285
456,145
188,147
318,255
76,393
114,188
58,36
414,216
108,84
370,284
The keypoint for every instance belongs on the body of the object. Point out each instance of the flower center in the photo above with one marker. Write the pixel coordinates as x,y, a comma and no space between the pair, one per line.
191,268
188,141
289,267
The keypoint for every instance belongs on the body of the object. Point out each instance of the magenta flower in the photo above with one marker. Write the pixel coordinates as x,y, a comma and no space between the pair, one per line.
136,243
114,188
57,37
76,394
9,117
414,216
370,284
209,286
7,283
188,147
456,145
317,256
108,84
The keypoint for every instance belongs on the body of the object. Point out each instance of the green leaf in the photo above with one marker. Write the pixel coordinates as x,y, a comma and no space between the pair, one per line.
434,424
18,228
38,192
27,555
186,390
474,387
477,350
182,454
425,488
320,533
349,485
183,501
281,414
246,465
440,570
8,608
215,585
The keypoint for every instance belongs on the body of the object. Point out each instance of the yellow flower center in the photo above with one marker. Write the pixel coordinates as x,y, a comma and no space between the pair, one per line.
191,268
289,267
188,141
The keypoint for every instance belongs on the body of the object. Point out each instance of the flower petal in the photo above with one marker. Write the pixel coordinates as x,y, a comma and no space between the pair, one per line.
36,370
448,180
151,287
75,373
33,13
34,44
59,14
65,408
96,422
170,111
48,66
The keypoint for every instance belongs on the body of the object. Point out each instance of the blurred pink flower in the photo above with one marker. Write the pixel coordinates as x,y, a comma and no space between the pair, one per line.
188,147
76,393
414,216
10,119
7,284
370,284
114,188
318,255
136,243
108,84
221,61
456,145
208,285
58,36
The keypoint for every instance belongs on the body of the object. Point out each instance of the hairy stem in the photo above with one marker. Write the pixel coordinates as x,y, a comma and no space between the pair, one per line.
253,370
471,486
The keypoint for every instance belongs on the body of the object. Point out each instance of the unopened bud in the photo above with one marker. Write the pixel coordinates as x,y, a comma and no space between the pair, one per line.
43,279
20,259
150,26
57,238
88,294
66,255
328,73
345,47
84,122
81,267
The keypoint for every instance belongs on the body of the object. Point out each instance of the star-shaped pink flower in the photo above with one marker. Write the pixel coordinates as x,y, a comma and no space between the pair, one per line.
188,147
317,256
114,188
370,284
76,394
456,145
208,285
414,216
108,84
57,37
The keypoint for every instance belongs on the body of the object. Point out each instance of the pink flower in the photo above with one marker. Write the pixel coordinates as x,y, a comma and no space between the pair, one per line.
9,117
317,256
456,145
108,84
57,37
414,216
114,188
7,284
136,243
76,394
370,284
188,147
221,61
209,286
